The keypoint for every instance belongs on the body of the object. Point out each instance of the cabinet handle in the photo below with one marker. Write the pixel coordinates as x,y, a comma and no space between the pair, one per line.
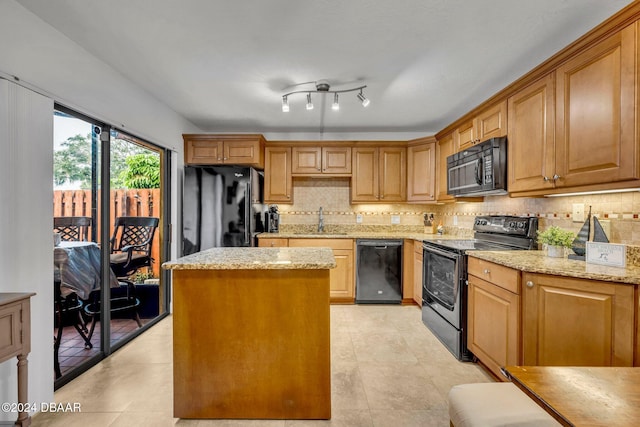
288,196
529,284
556,177
272,244
382,197
226,158
487,271
545,178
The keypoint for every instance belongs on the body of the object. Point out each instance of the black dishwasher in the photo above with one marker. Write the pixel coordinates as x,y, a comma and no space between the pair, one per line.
378,271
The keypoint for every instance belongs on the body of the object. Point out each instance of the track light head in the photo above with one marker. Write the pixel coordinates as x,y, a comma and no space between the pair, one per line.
285,104
365,101
336,105
309,103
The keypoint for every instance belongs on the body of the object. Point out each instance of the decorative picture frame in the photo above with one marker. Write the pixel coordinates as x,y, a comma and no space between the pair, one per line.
611,254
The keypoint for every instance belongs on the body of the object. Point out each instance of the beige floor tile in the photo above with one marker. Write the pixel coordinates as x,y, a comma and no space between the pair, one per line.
387,370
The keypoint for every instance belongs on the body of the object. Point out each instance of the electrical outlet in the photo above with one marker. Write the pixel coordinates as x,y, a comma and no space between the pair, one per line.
455,220
359,219
395,219
578,212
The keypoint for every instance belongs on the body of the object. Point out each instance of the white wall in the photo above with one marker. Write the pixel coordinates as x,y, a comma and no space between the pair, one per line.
47,62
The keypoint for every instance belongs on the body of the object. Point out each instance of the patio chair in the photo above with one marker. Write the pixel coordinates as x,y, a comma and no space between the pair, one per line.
69,307
130,251
72,228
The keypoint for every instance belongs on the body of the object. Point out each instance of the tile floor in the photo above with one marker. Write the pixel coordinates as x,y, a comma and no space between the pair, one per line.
387,370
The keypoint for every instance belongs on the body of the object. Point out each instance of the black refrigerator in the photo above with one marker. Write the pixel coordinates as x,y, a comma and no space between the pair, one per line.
222,206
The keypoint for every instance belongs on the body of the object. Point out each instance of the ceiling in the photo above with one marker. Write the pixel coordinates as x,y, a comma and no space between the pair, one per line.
224,65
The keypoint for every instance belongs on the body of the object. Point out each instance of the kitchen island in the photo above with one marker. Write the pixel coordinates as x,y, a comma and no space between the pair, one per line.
251,333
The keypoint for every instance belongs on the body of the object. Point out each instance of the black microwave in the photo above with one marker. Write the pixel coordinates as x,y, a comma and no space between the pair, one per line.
480,170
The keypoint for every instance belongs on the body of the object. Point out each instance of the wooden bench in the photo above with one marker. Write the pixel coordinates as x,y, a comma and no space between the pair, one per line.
494,404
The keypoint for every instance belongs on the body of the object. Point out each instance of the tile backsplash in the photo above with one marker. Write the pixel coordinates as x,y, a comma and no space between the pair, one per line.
619,213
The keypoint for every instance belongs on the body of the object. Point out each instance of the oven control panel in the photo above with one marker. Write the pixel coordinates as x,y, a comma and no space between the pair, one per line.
511,225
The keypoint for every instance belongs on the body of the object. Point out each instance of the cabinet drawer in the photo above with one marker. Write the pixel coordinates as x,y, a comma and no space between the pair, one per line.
273,243
505,277
322,243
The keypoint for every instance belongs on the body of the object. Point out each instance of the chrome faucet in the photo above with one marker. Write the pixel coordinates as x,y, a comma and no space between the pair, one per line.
320,221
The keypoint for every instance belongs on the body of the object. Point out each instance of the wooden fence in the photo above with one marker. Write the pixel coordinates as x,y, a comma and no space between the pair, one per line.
121,203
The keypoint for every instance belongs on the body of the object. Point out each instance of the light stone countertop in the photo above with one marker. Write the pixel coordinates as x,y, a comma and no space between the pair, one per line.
539,262
247,258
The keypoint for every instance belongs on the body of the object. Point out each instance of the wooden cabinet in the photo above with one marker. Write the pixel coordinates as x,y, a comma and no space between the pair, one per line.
421,171
489,123
269,242
596,140
417,272
379,174
444,149
493,333
531,137
342,281
576,322
208,149
327,161
277,175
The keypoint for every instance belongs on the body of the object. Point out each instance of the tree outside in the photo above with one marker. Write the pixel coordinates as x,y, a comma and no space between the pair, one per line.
132,166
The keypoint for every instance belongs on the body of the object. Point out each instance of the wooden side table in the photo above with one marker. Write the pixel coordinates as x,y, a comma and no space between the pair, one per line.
15,340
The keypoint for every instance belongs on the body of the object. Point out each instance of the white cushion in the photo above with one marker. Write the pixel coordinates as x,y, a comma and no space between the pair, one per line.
495,404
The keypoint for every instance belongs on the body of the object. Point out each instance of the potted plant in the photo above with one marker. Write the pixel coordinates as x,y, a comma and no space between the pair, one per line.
556,240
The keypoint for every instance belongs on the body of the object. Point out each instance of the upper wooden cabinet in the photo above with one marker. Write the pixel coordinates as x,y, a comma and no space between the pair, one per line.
379,174
209,149
487,124
596,138
327,161
444,149
531,150
277,175
421,171
576,322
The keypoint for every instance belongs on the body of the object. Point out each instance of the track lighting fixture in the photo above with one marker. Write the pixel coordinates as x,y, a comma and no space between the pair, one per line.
322,87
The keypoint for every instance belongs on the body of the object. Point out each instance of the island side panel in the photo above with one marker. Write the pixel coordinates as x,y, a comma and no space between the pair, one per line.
251,344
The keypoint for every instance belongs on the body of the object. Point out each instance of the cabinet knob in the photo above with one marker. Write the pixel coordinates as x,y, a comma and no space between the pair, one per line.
529,284
226,158
288,196
382,197
556,177
272,244
545,178
487,271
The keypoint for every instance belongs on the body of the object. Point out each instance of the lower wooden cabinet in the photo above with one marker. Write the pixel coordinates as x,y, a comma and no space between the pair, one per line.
417,272
342,278
493,323
576,322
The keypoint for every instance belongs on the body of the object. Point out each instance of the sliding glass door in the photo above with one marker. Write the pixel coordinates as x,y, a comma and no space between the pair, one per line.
110,224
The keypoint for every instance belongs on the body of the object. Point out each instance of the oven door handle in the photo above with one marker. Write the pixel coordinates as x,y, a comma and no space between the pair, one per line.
439,300
441,252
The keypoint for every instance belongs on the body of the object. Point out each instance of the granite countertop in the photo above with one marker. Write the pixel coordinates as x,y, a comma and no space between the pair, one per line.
246,258
539,262
411,235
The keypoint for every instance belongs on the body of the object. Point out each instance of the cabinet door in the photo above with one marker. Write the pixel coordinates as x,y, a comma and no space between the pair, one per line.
421,173
576,322
277,175
364,183
243,152
491,122
306,160
445,149
341,277
595,113
493,333
336,160
393,174
464,136
531,137
204,152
